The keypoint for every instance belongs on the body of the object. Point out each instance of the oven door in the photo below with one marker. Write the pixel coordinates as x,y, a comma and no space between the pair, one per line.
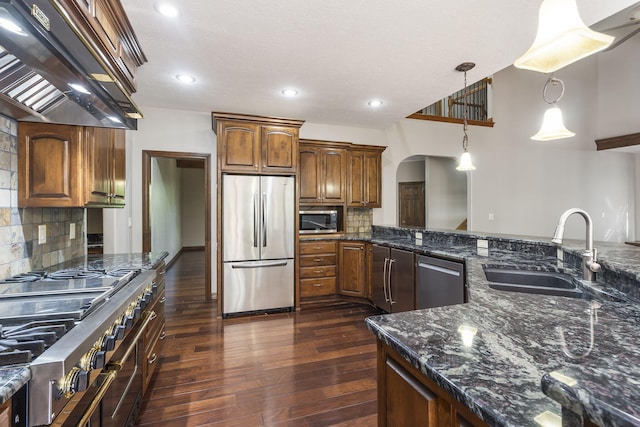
121,403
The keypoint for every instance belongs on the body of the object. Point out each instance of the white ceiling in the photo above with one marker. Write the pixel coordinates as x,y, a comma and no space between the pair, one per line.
338,54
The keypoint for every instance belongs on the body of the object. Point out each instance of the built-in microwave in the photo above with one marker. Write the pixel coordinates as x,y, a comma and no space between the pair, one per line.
325,221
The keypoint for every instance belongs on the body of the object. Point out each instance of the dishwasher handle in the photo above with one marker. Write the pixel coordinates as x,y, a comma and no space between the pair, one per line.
439,269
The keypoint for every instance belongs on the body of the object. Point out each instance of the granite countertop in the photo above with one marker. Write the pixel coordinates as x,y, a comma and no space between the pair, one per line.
143,261
12,379
515,368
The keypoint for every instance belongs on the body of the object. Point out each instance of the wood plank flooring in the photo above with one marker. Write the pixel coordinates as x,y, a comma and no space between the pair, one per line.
316,367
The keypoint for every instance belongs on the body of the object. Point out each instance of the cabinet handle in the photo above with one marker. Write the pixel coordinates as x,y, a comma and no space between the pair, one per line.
153,316
163,335
317,259
384,280
317,285
163,300
153,359
317,271
391,261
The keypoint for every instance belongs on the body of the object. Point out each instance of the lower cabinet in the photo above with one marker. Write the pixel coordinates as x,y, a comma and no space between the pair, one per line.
393,284
406,397
352,269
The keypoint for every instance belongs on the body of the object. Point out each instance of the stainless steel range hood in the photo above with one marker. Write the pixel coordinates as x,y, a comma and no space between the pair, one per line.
50,75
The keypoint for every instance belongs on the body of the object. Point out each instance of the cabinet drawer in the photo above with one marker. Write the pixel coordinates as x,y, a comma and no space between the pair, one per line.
317,287
319,271
152,356
317,248
314,260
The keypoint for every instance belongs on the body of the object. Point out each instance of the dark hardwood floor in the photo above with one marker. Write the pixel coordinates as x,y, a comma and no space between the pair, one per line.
316,367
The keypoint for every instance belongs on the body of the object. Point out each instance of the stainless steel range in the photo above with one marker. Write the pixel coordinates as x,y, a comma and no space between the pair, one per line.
80,330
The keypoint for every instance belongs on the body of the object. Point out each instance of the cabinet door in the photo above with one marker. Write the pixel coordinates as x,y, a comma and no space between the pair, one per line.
408,402
279,149
239,147
98,172
372,179
356,196
118,167
352,269
50,161
379,277
333,174
309,175
402,286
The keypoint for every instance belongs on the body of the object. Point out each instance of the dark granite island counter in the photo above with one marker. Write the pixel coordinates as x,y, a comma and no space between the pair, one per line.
142,261
492,353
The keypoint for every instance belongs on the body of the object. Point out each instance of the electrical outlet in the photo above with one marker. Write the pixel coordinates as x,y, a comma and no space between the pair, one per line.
483,244
492,217
42,234
418,235
72,231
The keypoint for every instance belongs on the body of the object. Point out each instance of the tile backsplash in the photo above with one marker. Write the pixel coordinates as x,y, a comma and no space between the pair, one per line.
359,220
19,248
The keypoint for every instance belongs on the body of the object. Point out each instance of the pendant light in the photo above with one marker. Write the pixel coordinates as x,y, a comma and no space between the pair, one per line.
562,38
552,124
465,159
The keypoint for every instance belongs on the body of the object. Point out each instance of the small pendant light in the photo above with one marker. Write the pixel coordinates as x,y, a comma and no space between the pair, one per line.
552,124
465,159
562,38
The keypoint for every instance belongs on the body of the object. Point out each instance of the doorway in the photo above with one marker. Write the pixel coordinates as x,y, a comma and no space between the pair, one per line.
186,160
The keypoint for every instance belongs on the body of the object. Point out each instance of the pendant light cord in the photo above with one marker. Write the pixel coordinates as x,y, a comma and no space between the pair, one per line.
465,138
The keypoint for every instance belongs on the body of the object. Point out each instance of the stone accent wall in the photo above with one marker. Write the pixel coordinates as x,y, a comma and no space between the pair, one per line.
19,248
359,220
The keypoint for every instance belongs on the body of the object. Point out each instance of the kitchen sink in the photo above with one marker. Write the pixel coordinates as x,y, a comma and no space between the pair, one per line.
532,282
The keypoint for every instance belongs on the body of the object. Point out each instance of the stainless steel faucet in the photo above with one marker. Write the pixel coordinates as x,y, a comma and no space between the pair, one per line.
589,265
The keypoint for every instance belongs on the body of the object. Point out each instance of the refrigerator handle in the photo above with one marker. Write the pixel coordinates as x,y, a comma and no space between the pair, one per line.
255,220
265,220
391,261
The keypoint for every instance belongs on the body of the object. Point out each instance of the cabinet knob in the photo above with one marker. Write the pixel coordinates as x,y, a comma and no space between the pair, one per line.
153,359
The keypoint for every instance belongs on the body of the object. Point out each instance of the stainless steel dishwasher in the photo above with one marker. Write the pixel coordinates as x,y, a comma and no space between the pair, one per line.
438,282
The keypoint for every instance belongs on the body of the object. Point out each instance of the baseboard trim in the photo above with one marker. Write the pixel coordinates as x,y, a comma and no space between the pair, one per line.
174,259
192,248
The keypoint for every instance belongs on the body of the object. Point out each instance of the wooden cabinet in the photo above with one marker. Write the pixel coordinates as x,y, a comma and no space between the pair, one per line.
406,397
393,279
108,34
154,336
364,178
248,144
318,262
49,164
105,152
322,173
352,269
70,166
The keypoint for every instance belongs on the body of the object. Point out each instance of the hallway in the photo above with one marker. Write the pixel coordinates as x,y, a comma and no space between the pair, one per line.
316,367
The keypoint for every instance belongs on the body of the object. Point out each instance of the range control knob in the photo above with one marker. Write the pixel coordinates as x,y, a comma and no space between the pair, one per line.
93,359
76,380
108,342
118,331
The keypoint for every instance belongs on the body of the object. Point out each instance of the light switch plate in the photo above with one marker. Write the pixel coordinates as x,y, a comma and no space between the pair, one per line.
483,244
42,234
72,231
418,235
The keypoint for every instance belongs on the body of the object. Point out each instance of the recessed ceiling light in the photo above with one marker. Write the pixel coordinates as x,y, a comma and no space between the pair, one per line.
374,103
79,88
186,78
167,9
289,92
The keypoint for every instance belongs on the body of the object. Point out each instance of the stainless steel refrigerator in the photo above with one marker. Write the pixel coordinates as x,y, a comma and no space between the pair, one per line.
257,242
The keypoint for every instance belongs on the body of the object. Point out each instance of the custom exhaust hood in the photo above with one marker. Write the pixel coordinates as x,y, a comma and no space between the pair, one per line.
48,72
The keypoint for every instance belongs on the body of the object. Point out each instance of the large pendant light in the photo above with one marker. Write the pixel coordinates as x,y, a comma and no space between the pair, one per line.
465,159
562,38
552,125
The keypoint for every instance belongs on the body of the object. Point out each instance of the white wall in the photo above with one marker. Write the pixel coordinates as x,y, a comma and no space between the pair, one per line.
165,208
160,130
192,206
446,193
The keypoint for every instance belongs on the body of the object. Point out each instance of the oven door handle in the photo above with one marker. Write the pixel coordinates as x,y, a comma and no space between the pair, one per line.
113,368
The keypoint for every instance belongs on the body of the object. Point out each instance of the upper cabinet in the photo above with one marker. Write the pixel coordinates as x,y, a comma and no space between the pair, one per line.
251,144
322,173
70,166
106,30
364,177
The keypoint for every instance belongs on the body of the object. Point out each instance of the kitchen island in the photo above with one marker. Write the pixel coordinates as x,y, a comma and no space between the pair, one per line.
492,353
